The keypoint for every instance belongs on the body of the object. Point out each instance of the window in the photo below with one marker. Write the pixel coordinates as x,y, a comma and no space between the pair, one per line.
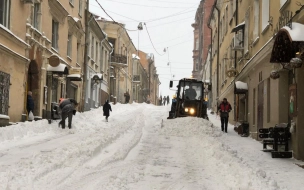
196,65
282,3
80,8
246,32
196,44
69,46
36,16
55,36
265,14
78,52
226,20
256,19
4,12
92,47
96,53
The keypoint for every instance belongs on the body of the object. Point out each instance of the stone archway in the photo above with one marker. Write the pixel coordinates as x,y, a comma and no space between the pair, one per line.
33,83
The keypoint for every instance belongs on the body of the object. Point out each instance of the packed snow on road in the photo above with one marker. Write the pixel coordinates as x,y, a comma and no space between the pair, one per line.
138,149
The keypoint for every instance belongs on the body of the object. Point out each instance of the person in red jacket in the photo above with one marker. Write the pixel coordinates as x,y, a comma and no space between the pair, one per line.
224,108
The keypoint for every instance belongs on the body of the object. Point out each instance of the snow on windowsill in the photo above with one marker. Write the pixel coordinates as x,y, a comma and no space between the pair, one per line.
10,32
4,116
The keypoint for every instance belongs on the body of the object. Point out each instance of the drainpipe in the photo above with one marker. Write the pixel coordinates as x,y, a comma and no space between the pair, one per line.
218,51
235,64
85,55
211,99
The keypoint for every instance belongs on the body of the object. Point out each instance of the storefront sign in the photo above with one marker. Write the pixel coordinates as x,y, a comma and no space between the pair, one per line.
75,71
284,20
54,61
292,108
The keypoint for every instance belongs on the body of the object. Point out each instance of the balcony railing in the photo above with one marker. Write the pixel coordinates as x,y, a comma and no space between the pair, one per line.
117,58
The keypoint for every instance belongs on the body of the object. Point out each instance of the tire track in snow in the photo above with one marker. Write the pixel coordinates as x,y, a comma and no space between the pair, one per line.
131,131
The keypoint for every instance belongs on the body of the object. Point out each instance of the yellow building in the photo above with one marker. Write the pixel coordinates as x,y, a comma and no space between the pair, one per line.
43,52
254,43
121,60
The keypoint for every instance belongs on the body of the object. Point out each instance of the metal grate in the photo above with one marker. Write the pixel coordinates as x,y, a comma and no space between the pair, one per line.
4,92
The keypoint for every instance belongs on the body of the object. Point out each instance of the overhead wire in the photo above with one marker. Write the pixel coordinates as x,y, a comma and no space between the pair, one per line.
151,40
144,5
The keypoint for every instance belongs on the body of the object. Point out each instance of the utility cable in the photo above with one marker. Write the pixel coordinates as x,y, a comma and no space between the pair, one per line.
112,18
145,5
151,40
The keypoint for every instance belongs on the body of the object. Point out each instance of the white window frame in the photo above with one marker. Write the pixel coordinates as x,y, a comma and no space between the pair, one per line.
92,46
283,2
80,8
265,14
69,45
5,13
256,19
55,34
36,15
196,44
246,32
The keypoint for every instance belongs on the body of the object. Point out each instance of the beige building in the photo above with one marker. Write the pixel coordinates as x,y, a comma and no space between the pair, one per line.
43,45
254,43
14,59
97,65
151,92
121,60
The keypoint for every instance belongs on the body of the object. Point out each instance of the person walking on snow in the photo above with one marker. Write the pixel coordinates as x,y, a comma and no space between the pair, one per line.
168,100
224,108
164,100
68,109
106,109
29,103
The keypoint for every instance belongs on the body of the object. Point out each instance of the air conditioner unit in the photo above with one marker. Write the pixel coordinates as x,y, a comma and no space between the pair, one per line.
238,42
28,1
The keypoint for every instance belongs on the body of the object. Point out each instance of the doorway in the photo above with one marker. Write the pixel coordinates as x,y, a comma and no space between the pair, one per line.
260,111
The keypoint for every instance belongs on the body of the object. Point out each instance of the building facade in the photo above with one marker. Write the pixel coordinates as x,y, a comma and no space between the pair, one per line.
39,63
256,63
97,65
121,60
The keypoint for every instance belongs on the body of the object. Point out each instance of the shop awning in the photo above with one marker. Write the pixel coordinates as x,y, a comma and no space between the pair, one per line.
97,76
240,26
61,68
240,87
288,42
74,77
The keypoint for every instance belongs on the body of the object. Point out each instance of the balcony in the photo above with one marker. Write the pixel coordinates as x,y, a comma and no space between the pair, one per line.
119,60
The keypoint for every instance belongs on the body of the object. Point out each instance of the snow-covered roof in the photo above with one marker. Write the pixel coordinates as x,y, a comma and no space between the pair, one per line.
60,68
4,116
241,85
98,74
6,29
134,56
296,33
74,76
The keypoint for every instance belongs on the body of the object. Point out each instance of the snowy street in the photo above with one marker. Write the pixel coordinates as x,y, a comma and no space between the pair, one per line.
138,149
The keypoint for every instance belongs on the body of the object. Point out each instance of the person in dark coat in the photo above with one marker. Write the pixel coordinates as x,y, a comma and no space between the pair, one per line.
30,102
224,108
68,109
127,97
106,109
168,100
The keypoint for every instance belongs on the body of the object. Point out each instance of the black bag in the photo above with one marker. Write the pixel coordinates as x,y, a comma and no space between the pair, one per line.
74,112
224,114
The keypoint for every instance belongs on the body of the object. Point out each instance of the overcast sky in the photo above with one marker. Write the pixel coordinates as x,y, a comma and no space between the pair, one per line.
168,22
